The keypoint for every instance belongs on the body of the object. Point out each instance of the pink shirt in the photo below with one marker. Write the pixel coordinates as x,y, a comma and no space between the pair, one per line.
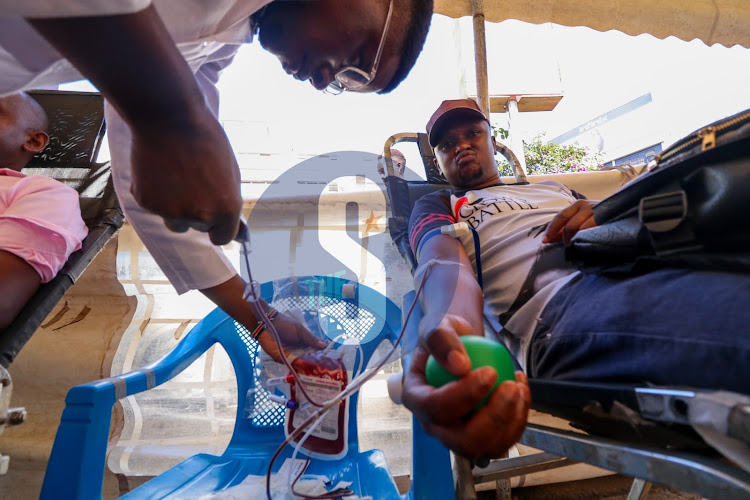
40,221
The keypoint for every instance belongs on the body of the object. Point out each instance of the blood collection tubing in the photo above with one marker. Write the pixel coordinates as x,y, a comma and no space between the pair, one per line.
251,295
351,388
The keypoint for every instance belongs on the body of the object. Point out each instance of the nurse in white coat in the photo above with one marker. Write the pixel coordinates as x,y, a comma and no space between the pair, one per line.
157,64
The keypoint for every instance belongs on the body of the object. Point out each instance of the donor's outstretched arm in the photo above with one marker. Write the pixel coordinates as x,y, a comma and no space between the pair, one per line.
452,301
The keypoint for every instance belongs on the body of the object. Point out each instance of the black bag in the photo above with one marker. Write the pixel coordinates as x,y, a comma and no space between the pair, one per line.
692,209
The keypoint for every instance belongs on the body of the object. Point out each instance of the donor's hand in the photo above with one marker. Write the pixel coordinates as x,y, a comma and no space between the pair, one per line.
570,220
449,412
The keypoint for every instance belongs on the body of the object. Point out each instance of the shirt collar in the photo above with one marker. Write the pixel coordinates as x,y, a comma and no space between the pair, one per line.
11,173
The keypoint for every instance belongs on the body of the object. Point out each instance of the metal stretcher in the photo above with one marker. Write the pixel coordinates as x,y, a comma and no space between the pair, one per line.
648,433
76,134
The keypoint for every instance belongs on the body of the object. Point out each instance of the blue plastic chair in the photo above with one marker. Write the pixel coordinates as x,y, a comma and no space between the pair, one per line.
77,461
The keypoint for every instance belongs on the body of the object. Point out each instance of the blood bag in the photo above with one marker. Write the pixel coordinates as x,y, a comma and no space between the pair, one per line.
324,377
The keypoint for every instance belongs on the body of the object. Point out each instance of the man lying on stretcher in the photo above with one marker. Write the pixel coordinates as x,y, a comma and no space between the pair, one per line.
40,218
665,327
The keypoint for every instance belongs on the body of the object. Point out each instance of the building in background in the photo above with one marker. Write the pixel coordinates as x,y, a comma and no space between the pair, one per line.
628,134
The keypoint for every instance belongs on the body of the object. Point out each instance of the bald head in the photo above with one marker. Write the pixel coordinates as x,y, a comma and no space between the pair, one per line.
23,130
399,163
30,114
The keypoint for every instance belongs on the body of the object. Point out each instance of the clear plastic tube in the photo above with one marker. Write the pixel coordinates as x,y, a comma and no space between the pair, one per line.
252,292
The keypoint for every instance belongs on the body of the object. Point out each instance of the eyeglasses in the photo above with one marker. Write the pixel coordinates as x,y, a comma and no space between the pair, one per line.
352,78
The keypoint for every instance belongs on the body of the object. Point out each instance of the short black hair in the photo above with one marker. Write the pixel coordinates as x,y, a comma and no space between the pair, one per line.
419,14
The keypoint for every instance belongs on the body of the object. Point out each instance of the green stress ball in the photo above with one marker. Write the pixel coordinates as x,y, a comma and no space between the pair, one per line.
482,352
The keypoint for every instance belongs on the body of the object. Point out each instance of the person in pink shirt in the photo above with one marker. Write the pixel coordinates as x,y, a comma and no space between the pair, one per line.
40,218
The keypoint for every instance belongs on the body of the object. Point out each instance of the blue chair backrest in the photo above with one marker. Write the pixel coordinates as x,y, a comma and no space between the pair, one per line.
366,315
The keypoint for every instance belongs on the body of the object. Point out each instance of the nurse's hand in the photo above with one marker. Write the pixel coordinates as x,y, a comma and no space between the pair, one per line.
188,174
490,431
229,296
292,335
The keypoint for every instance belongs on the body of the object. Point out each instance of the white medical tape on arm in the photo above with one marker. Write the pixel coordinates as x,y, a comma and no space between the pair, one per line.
433,262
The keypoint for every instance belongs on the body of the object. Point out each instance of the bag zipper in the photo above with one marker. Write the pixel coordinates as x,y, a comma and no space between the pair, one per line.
706,136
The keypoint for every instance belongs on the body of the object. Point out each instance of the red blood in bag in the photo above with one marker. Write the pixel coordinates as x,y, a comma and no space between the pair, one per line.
323,378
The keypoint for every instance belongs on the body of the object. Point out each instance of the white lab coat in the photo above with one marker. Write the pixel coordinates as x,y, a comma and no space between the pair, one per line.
207,33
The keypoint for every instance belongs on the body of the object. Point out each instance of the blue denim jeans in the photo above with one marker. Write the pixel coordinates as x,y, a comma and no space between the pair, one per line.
667,327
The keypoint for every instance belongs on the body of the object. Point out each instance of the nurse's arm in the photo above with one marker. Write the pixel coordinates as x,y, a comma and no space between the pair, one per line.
183,166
